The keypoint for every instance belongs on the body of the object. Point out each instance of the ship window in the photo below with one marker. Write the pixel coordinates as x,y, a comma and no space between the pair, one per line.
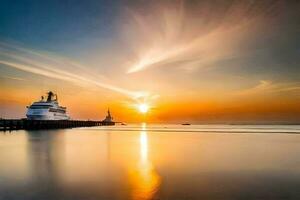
57,110
39,107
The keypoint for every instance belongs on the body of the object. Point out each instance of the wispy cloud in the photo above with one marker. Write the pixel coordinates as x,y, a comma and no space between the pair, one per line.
269,87
57,67
13,78
193,35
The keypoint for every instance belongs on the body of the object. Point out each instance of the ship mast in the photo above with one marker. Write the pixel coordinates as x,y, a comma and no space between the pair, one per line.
50,95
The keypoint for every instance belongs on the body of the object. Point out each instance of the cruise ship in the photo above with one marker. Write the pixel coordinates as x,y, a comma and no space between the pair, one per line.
47,109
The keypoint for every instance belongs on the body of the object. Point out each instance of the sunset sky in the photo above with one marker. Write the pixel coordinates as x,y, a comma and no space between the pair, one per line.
190,61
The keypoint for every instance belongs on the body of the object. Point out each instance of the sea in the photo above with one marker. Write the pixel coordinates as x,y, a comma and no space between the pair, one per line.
146,161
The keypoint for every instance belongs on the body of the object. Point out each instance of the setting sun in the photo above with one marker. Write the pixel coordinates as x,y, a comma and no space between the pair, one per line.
143,108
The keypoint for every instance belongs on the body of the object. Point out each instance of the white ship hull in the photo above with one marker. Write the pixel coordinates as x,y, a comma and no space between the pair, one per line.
46,110
44,114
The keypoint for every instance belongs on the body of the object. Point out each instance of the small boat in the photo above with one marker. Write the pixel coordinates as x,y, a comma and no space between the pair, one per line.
185,124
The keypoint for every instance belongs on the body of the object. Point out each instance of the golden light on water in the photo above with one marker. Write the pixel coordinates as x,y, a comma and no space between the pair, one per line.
146,180
144,147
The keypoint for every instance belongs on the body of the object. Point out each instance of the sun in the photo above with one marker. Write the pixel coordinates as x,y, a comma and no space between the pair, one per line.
143,108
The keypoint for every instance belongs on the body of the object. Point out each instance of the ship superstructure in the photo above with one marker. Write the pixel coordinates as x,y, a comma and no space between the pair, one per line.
48,109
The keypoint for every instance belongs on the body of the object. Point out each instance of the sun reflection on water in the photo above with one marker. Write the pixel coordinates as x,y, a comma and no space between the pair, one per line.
146,180
144,147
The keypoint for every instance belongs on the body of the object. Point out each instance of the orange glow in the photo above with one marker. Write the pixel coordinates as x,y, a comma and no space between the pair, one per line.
196,108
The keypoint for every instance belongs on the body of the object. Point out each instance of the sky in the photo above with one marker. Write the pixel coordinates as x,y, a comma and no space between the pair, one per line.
190,61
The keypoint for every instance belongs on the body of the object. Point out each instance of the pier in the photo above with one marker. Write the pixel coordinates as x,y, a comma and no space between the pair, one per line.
25,124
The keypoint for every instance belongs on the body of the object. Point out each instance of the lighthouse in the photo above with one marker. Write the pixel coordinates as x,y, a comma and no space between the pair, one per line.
108,117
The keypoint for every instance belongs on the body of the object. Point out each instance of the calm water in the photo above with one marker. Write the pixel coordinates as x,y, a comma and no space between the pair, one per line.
152,162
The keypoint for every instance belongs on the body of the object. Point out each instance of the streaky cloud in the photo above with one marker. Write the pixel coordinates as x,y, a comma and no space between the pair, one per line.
193,36
269,87
51,66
